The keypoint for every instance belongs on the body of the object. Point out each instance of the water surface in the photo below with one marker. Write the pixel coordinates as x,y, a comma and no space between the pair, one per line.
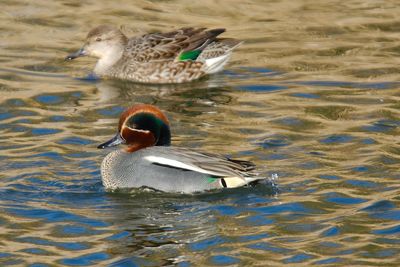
312,96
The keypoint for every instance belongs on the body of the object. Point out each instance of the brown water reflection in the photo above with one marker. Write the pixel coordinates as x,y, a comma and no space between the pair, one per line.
312,95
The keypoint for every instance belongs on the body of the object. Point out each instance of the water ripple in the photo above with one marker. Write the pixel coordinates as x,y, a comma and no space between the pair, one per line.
313,103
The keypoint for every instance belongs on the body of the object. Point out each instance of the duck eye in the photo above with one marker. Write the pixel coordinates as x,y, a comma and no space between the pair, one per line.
98,39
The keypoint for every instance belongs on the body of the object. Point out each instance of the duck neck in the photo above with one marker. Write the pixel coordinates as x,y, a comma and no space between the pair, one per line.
108,60
165,136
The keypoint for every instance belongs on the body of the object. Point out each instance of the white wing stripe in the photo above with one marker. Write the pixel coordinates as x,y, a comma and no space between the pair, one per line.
178,164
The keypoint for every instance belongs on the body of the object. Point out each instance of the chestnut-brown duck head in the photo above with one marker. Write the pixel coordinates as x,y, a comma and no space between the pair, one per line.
141,126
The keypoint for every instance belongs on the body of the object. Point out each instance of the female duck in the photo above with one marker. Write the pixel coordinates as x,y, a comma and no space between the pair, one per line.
149,161
173,57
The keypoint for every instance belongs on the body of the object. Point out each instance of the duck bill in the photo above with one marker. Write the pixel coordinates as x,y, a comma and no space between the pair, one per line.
115,141
80,53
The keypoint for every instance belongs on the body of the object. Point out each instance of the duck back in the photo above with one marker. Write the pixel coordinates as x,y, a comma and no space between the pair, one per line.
122,169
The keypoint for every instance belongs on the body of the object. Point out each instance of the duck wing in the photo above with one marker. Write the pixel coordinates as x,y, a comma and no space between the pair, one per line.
191,160
181,44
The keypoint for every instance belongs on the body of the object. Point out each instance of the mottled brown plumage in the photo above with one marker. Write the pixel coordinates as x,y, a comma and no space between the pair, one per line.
155,57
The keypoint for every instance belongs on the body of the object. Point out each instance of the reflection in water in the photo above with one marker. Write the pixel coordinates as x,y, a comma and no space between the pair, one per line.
312,95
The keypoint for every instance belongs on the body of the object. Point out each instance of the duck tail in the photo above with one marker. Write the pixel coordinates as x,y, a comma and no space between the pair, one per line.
217,54
233,182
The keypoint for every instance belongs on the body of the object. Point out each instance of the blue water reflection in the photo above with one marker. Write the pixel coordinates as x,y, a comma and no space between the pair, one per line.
329,148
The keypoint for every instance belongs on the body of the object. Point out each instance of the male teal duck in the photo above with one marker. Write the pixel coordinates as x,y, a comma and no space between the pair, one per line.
173,57
149,160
